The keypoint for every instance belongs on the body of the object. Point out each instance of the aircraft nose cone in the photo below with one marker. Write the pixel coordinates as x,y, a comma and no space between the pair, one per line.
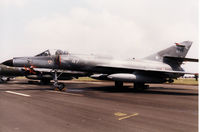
8,62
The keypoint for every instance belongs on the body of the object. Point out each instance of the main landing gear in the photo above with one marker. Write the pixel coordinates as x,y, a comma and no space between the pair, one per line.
56,84
137,86
140,86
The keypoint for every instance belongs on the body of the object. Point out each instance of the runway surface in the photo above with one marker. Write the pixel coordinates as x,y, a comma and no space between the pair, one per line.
97,107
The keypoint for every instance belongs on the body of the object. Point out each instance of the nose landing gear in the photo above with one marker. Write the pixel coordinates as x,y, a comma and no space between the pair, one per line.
58,86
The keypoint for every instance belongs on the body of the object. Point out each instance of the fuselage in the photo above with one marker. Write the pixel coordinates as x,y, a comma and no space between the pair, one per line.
97,64
100,64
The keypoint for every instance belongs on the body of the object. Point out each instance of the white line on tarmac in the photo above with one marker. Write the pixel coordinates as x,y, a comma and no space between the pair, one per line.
21,94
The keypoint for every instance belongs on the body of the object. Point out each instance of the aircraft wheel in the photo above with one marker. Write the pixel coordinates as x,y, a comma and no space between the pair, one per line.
8,79
60,87
140,86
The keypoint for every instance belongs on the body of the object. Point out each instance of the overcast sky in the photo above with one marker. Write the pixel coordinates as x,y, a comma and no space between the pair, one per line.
119,28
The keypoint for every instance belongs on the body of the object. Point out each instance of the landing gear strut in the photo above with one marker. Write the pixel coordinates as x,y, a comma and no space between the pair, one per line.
140,86
56,84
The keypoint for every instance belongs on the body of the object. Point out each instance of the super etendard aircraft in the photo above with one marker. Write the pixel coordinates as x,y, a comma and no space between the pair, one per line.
33,73
163,66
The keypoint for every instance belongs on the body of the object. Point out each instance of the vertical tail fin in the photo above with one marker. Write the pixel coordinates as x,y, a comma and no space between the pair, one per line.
174,55
179,50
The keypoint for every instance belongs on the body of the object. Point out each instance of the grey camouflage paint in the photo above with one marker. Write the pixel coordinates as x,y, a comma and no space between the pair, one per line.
152,69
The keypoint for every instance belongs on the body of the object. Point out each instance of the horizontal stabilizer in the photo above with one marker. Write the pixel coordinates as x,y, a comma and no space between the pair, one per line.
180,59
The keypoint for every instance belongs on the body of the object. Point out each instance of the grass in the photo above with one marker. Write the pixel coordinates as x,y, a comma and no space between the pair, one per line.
184,81
187,81
86,79
21,78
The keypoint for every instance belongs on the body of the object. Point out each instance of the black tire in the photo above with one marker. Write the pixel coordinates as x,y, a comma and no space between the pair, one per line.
8,79
61,86
140,86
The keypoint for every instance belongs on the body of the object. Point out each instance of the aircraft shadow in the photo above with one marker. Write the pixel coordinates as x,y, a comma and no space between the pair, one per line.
151,90
107,89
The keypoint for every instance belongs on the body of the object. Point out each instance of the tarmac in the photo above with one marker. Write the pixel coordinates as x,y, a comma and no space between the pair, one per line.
97,107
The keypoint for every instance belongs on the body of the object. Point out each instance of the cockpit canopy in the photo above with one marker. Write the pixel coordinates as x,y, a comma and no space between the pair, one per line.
53,52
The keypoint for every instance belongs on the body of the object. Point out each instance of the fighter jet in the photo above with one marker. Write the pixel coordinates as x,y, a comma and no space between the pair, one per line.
163,66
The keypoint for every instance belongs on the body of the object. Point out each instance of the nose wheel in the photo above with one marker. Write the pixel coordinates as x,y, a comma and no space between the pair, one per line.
58,86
